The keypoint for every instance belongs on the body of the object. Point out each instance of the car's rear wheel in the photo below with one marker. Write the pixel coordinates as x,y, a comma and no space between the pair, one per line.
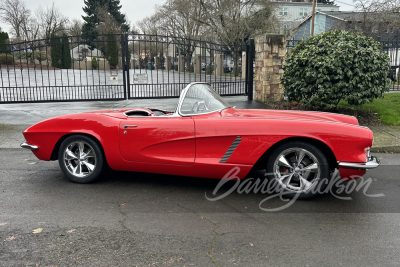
81,159
299,169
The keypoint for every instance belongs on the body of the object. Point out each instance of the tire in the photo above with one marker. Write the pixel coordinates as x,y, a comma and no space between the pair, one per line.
81,167
298,179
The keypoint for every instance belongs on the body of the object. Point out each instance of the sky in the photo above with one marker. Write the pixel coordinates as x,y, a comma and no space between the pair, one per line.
134,9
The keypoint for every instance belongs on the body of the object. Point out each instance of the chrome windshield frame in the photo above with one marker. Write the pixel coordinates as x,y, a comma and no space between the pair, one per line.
183,96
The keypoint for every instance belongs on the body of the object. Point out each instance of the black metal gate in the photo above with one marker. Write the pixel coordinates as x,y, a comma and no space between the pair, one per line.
117,67
161,66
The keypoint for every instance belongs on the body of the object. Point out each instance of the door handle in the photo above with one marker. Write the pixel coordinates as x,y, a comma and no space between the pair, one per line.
126,126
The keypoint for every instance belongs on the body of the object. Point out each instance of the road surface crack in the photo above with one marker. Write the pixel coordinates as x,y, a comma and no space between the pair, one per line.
216,236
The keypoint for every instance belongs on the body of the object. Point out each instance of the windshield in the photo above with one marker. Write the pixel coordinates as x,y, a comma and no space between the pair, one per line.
200,99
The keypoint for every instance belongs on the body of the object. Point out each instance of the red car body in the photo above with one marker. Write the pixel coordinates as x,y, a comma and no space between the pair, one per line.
195,145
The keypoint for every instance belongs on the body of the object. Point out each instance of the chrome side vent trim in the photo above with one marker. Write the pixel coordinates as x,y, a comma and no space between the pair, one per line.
231,149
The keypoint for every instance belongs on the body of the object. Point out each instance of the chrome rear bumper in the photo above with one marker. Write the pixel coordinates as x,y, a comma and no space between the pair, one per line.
30,147
371,163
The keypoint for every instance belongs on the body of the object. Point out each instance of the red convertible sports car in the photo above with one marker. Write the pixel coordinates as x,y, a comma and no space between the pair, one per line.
206,137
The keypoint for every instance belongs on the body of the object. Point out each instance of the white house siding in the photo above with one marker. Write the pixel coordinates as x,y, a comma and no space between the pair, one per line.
293,17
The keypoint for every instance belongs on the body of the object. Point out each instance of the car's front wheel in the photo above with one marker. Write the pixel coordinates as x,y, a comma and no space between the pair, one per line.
81,159
299,169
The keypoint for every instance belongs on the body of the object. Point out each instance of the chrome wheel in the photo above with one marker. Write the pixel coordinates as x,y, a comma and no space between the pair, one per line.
80,159
297,170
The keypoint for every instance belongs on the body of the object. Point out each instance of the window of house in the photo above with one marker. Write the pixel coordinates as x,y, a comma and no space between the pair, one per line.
303,11
332,9
283,11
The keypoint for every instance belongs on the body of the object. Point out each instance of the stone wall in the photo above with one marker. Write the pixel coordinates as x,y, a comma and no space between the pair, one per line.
270,54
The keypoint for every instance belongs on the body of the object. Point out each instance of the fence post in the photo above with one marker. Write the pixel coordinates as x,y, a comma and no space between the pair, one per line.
249,67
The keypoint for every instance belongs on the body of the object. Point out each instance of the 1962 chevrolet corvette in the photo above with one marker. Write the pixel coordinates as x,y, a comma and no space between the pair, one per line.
206,137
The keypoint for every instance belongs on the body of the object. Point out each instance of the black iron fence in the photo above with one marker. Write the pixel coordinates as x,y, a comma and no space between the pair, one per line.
161,66
116,67
393,50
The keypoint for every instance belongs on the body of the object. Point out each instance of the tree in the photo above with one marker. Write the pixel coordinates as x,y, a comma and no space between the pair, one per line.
56,51
60,52
66,53
373,17
75,28
111,52
15,14
4,43
181,18
92,20
334,66
329,2
234,21
51,21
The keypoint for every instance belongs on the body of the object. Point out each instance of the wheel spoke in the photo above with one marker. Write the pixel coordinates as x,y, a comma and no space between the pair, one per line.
79,168
312,167
81,146
87,155
283,162
300,156
89,166
69,155
304,184
74,169
285,179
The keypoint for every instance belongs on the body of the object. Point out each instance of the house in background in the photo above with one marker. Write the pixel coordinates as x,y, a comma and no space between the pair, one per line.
290,14
346,20
83,51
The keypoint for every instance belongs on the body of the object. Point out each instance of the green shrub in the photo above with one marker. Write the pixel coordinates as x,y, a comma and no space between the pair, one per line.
95,64
19,55
209,70
335,65
176,67
6,59
40,55
5,46
191,68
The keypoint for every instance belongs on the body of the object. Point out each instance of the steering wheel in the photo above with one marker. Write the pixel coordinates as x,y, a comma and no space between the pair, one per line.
199,106
195,107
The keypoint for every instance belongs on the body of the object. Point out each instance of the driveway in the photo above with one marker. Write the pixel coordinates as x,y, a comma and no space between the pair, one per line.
136,219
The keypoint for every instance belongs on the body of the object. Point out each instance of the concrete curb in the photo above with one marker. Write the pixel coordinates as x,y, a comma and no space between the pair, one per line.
388,149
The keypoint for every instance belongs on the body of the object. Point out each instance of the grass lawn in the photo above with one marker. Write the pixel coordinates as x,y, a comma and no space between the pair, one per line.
388,108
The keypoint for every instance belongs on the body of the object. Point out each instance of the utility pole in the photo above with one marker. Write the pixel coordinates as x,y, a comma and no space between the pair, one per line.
313,18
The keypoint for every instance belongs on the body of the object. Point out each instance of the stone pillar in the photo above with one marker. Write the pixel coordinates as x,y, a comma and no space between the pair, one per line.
168,65
197,66
270,55
181,64
244,64
219,64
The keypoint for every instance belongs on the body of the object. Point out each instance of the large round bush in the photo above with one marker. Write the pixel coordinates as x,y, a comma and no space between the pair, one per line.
335,65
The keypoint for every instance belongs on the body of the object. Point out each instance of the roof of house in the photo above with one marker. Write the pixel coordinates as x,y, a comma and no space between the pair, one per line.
300,4
340,15
344,16
352,16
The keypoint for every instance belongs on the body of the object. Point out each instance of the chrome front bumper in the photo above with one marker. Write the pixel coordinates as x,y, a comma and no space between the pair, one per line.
371,163
30,147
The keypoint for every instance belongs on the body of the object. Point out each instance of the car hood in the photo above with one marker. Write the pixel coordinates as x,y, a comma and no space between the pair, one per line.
289,114
259,113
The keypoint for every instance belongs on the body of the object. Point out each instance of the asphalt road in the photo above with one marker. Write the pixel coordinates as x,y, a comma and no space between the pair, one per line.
134,219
